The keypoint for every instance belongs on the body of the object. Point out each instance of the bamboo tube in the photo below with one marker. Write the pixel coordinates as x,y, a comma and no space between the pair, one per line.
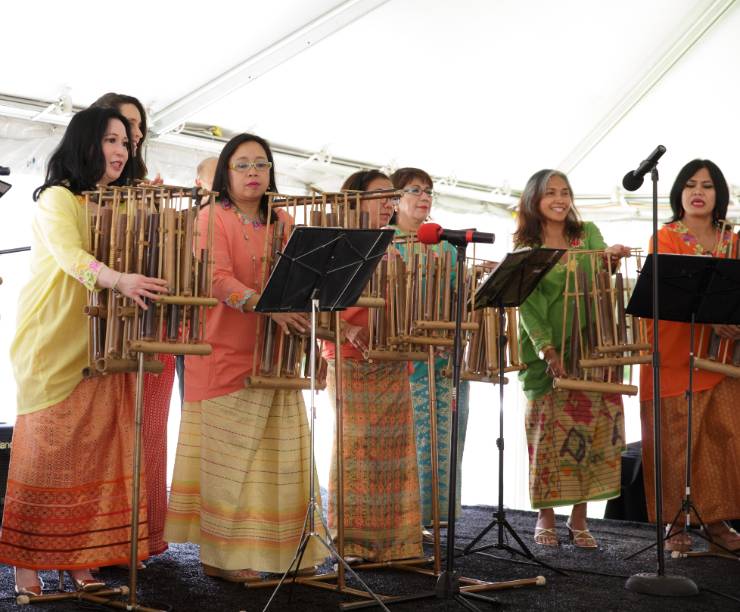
590,385
423,340
384,355
716,366
639,346
269,382
171,348
446,325
112,366
512,335
606,362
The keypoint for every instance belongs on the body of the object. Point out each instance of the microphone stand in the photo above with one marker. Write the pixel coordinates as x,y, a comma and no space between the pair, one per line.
658,583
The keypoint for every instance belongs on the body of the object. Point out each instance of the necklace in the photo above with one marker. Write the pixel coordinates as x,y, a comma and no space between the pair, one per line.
246,219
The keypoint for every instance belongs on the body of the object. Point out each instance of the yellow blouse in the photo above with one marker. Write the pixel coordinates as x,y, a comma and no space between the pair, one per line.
49,350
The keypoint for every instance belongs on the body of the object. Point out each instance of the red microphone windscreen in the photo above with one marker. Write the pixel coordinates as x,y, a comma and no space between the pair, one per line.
429,233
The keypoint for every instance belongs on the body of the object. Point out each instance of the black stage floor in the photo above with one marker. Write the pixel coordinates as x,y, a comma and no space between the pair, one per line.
595,579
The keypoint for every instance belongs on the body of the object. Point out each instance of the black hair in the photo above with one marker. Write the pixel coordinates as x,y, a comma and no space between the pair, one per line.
221,176
115,100
78,162
529,218
721,189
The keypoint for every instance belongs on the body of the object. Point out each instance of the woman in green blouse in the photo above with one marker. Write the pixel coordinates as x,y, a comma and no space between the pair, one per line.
575,438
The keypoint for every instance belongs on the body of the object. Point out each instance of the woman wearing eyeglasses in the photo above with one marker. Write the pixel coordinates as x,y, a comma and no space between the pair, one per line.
413,209
240,485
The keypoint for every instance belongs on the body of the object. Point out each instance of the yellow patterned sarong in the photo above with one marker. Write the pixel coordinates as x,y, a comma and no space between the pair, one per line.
241,482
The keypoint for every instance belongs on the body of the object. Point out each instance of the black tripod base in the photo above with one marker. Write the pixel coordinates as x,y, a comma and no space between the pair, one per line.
661,585
504,525
447,589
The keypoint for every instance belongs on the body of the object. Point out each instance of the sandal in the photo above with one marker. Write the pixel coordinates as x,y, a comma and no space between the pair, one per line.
676,540
546,536
32,590
242,575
723,537
83,580
581,538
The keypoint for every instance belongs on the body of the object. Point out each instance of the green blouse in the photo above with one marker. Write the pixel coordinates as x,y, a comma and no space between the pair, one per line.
541,317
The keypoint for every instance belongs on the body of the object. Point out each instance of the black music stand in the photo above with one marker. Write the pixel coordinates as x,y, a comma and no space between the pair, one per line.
509,286
321,269
698,290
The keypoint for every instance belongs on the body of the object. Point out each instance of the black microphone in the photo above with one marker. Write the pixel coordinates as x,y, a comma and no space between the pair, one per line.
633,180
432,233
4,171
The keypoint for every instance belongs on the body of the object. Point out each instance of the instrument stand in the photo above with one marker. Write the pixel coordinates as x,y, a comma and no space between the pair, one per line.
327,268
500,514
509,286
448,585
694,284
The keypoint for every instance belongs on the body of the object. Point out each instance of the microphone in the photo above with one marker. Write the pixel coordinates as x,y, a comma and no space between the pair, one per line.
432,233
633,180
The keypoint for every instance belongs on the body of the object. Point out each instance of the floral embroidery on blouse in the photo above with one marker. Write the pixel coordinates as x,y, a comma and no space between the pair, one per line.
87,273
680,228
237,300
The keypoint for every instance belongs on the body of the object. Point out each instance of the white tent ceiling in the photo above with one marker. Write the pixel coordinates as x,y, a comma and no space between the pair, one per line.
480,93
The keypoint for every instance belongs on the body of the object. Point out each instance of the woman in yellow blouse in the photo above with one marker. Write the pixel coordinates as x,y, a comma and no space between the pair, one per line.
68,503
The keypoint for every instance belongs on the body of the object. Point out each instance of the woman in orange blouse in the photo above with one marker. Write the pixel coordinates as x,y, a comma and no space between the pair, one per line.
699,199
240,484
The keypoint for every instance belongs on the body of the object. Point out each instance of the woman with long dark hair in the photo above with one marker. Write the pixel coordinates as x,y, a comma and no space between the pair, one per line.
241,480
67,504
699,198
575,438
157,387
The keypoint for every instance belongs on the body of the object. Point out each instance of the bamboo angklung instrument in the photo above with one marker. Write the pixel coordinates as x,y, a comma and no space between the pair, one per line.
282,360
150,230
722,354
601,340
480,358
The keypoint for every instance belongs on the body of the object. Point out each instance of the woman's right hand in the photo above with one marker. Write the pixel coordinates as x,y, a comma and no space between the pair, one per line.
555,366
137,287
290,321
357,336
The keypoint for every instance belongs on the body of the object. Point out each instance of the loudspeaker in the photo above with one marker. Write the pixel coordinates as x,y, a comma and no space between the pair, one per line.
630,506
6,435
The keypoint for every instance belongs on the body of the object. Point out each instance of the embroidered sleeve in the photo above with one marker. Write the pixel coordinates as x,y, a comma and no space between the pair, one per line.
237,299
87,272
58,221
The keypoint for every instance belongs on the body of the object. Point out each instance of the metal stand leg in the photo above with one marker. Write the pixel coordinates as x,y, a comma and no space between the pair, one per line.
309,525
500,514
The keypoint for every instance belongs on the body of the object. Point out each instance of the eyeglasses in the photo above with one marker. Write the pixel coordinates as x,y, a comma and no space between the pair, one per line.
417,191
259,166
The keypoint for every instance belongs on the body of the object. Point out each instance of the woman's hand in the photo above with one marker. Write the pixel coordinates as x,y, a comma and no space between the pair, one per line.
554,364
731,332
357,336
615,252
137,287
289,321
